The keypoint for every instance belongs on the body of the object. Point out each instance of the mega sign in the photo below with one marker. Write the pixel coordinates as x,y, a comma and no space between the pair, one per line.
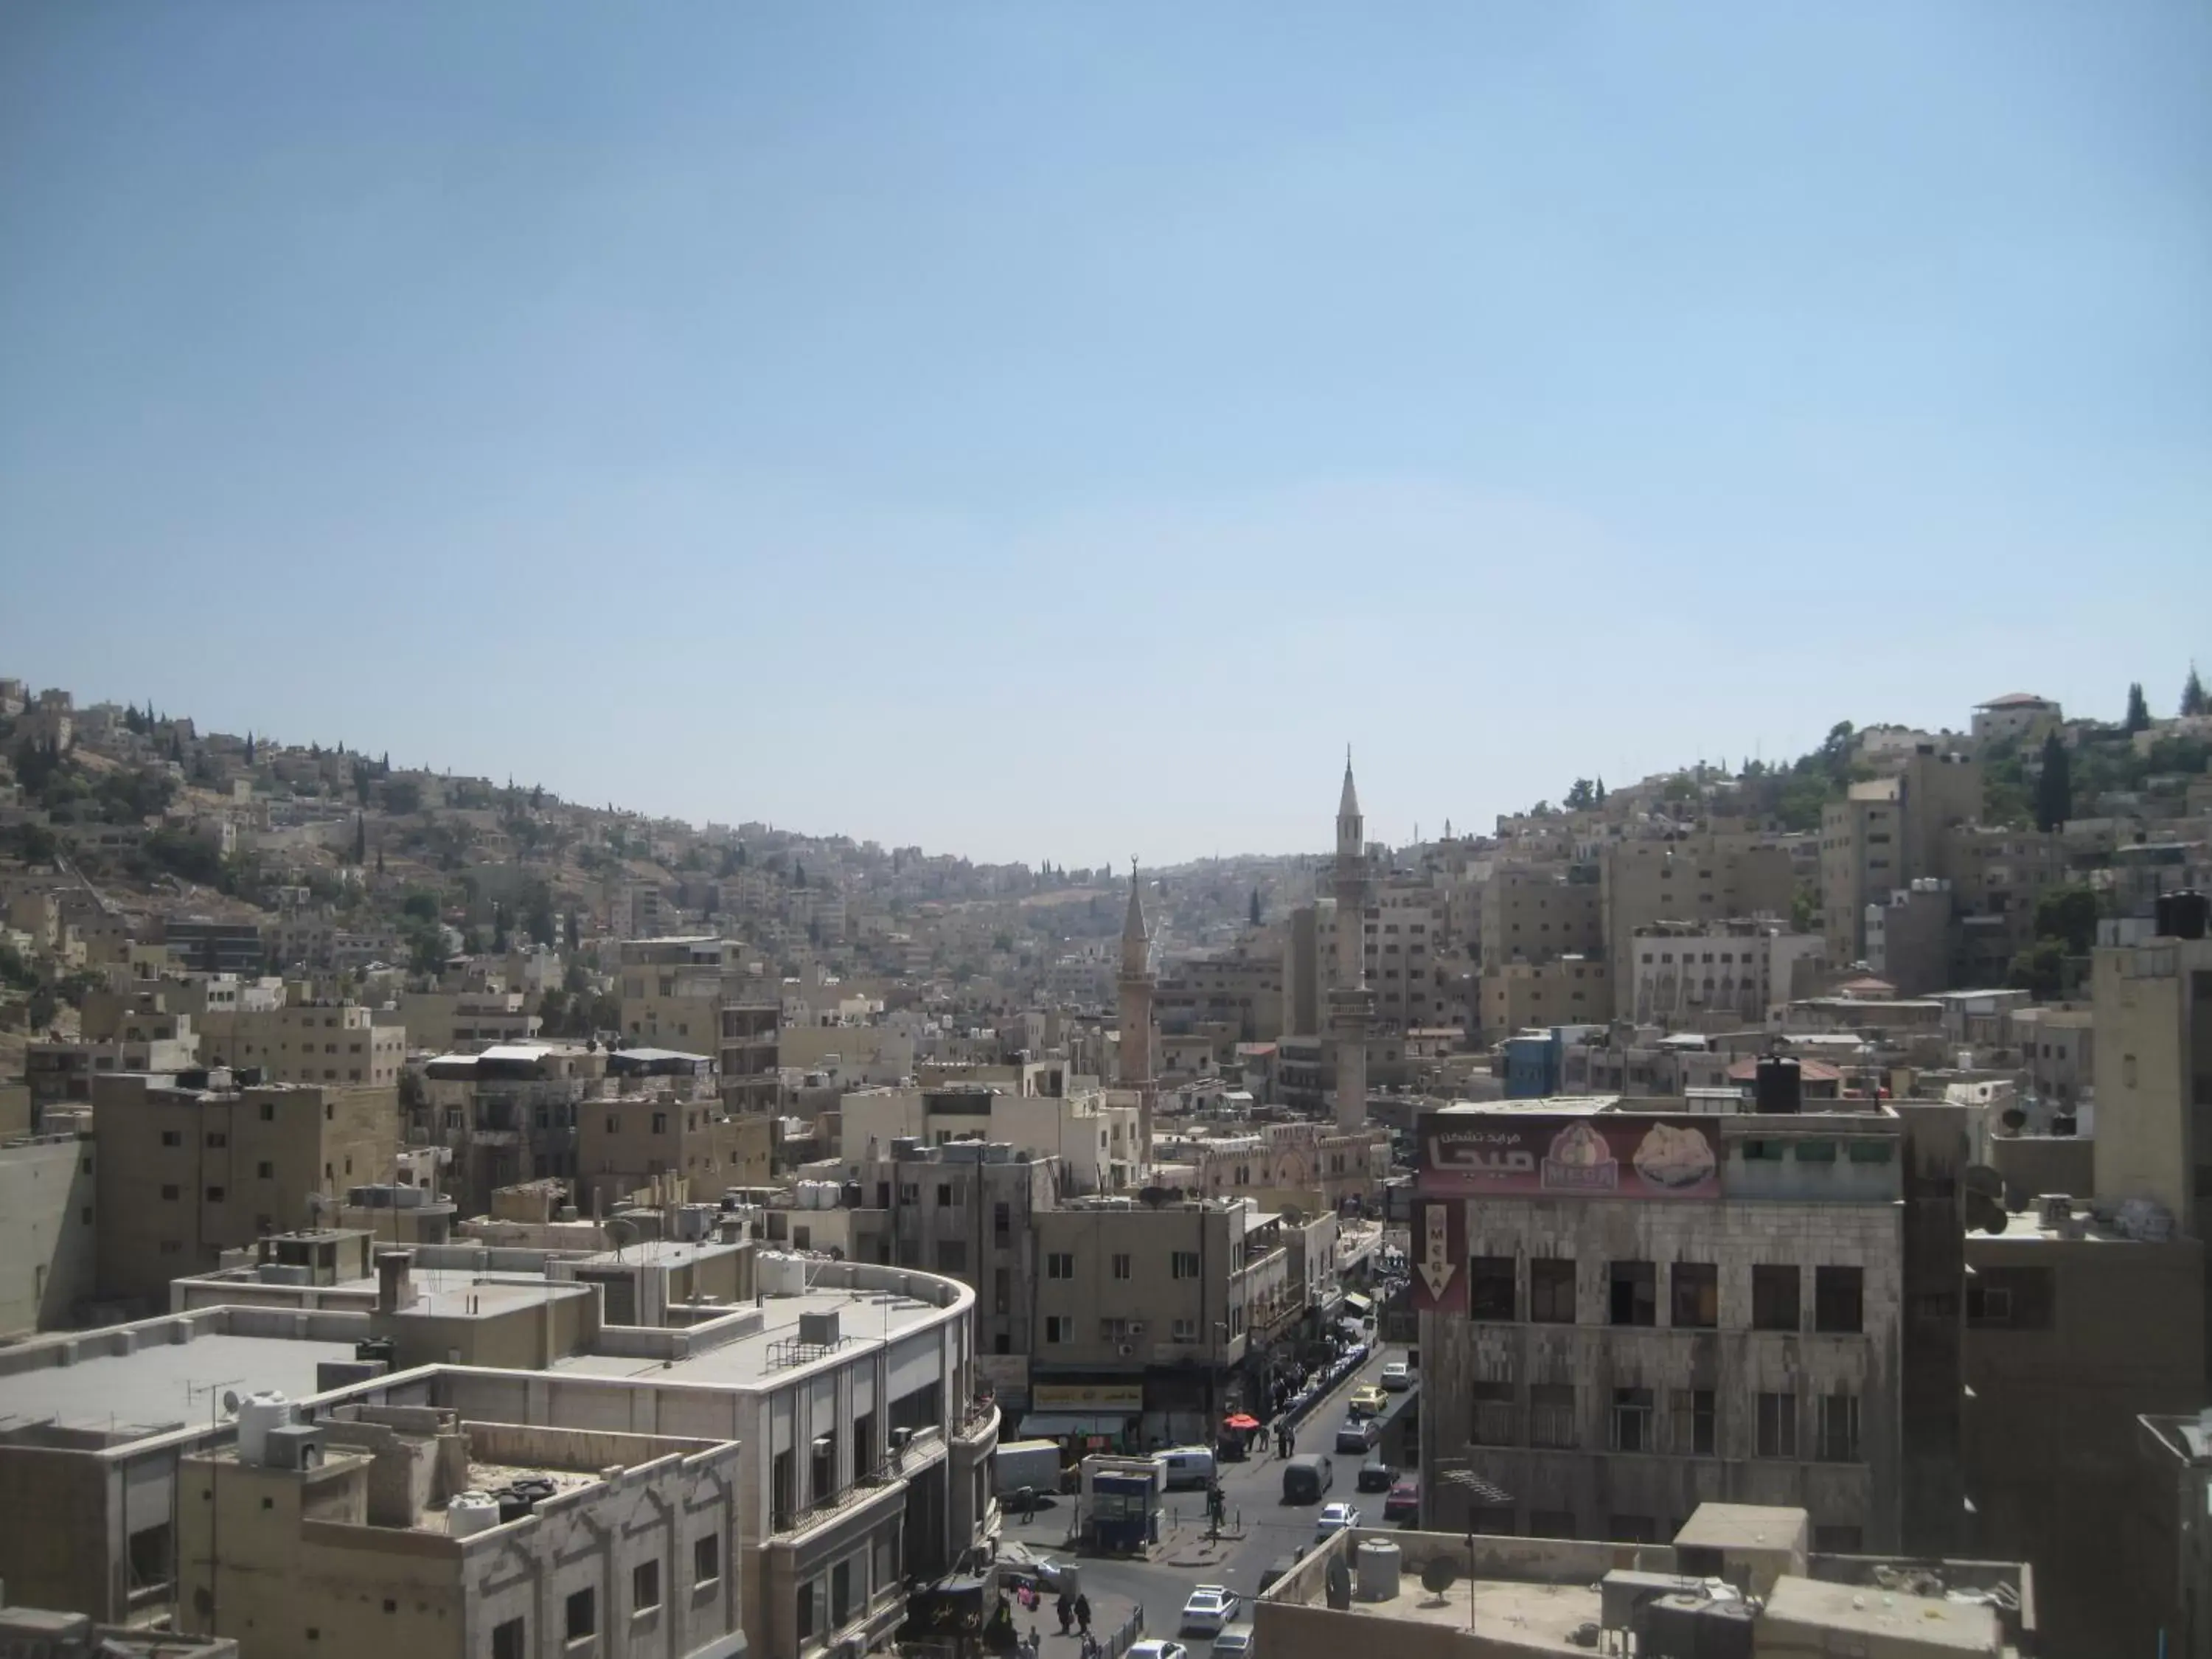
1505,1154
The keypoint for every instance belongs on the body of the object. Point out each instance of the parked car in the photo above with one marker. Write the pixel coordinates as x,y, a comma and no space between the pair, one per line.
1209,1608
1334,1518
1234,1643
1404,1503
1158,1648
1190,1467
1376,1475
1397,1377
1367,1400
1281,1567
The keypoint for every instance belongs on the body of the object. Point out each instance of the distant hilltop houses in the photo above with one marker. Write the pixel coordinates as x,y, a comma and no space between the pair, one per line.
501,1221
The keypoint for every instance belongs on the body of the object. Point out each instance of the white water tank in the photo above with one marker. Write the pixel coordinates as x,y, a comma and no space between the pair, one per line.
1379,1566
471,1512
780,1274
257,1413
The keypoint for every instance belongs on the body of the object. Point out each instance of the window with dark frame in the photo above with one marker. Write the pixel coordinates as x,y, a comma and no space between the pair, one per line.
1551,1291
1777,1425
644,1587
1552,1414
1633,1292
1774,1299
1694,1433
1696,1288
1491,1287
1632,1420
1839,1297
706,1559
582,1616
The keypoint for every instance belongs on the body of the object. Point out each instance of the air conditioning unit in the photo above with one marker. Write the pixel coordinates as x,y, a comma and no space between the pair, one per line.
1127,1349
1136,1328
2055,1209
900,1437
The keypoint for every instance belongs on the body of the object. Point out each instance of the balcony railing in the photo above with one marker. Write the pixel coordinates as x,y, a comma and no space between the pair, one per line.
980,1417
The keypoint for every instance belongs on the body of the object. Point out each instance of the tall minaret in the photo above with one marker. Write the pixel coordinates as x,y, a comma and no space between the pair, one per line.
1136,983
1351,1004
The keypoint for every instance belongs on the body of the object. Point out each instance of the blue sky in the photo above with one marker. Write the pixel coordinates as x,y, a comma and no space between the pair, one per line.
1052,431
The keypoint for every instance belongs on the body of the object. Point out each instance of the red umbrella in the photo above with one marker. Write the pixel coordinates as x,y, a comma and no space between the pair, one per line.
1243,1423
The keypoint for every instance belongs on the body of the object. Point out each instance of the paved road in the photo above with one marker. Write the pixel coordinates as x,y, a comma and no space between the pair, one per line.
1254,1489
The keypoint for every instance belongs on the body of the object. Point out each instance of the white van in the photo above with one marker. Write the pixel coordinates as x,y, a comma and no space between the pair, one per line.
1188,1467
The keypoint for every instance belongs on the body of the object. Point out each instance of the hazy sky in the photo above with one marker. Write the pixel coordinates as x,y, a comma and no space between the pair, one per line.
1054,431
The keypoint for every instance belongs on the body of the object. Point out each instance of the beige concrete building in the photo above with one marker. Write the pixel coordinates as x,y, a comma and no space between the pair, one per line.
187,1172
1241,991
49,1236
1566,991
2019,716
1153,1310
1700,977
1534,913
1407,936
2074,1329
465,1022
693,993
2153,1003
313,1042
1705,877
627,1142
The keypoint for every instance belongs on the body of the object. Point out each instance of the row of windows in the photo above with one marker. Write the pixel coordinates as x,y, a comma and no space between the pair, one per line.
1632,1294
580,1611
1690,1428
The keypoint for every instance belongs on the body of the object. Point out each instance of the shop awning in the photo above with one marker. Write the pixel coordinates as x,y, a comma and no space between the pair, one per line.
1353,1299
1058,1425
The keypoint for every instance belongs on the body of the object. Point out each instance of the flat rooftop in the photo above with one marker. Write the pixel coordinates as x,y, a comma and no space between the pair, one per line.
162,1386
771,1355
1927,1621
661,1252
1541,1618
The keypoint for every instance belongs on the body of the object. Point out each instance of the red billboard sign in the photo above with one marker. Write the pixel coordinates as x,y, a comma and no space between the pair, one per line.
1439,1256
1512,1155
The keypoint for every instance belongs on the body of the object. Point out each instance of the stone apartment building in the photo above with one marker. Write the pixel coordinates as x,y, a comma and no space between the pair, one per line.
1624,1314
193,1165
1707,876
1243,992
1887,831
1536,913
1688,976
465,1022
667,1120
315,1041
49,1233
692,994
1408,936
1564,991
1151,1312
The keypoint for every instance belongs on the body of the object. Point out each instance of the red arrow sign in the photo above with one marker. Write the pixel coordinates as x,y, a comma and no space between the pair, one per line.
1439,1248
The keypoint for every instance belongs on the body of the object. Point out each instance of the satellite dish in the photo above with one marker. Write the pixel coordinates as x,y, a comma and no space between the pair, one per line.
230,1401
1438,1574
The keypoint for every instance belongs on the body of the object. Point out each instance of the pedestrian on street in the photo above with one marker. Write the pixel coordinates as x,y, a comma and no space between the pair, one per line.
1065,1609
1083,1613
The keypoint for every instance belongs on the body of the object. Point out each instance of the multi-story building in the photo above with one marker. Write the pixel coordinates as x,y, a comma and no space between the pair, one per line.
693,993
1408,933
1144,1316
1887,832
1688,976
192,1165
506,1115
669,1120
466,1022
1705,877
1094,1139
214,947
1241,991
49,1237
1624,1314
1534,913
1564,991
1309,955
2019,716
315,1041
765,1482
2057,1047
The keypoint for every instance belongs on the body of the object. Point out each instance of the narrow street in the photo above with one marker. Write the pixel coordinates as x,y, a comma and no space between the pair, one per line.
1254,1490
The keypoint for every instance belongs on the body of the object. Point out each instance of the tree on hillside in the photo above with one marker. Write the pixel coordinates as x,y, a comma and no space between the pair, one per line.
360,839
2054,787
2193,697
1256,907
575,930
2068,916
2138,716
1580,795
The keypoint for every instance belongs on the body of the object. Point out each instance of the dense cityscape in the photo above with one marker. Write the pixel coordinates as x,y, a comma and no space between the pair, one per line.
1753,1207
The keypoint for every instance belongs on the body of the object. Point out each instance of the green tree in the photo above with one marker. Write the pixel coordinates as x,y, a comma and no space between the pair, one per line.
2054,787
2040,969
1582,795
1253,913
2138,716
575,931
360,838
798,875
402,796
419,904
2068,916
2194,700
553,1012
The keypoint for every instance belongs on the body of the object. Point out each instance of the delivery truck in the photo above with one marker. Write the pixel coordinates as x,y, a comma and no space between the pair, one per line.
1032,1463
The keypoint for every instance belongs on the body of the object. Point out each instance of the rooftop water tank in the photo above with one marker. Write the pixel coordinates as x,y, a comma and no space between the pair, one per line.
471,1512
1380,1564
257,1413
